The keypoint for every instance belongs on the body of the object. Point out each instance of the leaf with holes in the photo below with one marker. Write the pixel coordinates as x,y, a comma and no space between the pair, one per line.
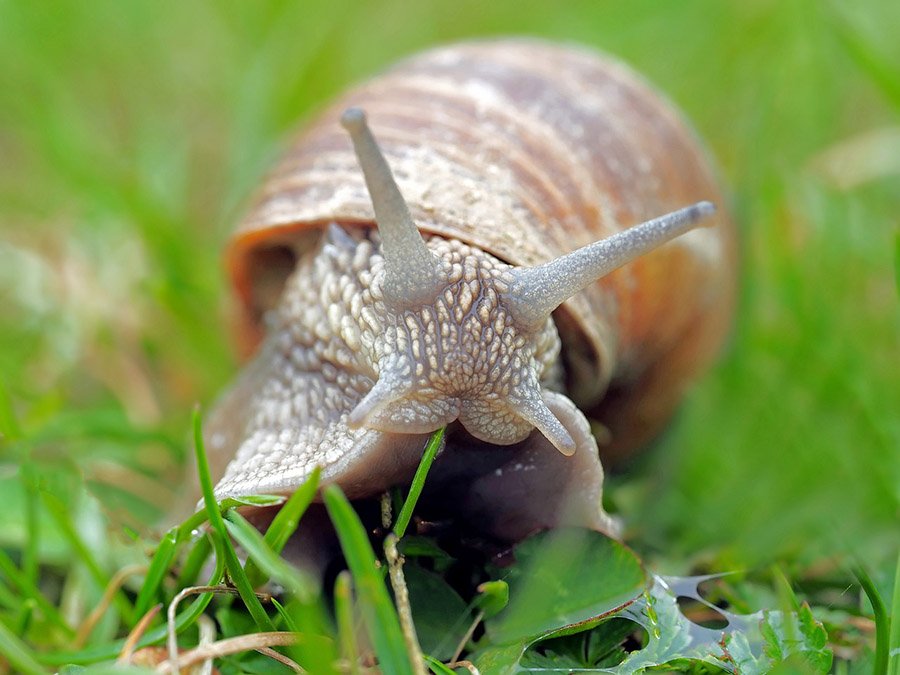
749,644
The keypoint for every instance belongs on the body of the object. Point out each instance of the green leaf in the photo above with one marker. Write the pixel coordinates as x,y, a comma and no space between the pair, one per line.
493,597
752,644
749,644
565,580
803,652
562,582
441,616
600,647
379,615
501,659
423,547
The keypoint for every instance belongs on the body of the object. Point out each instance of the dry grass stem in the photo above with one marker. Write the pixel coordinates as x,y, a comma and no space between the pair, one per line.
862,623
281,658
84,631
207,636
386,511
233,645
404,610
172,641
136,634
465,638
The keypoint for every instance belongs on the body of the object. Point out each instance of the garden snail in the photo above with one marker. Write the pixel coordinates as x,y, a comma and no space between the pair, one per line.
489,298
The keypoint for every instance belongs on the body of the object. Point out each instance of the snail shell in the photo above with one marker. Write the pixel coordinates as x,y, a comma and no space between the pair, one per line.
509,156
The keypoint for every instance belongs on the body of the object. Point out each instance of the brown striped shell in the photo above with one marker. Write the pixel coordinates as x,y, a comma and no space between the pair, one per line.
525,150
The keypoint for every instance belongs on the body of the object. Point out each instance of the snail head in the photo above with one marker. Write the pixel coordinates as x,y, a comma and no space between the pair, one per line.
466,337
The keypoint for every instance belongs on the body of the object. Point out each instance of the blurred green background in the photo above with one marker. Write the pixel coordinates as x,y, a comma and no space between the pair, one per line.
132,133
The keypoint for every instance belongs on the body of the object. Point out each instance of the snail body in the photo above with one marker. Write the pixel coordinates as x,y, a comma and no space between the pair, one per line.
500,286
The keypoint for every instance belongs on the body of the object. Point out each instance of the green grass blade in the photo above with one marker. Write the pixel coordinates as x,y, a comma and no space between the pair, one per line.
10,430
32,521
8,599
31,592
316,650
111,650
285,616
871,61
343,610
17,653
882,621
379,614
897,262
437,667
9,423
159,565
61,516
269,562
894,638
232,564
418,482
285,523
26,614
200,518
194,562
286,520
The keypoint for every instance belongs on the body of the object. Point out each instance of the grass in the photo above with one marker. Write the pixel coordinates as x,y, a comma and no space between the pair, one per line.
132,136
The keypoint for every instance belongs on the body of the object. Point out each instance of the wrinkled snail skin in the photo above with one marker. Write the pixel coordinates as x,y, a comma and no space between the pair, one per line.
501,286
